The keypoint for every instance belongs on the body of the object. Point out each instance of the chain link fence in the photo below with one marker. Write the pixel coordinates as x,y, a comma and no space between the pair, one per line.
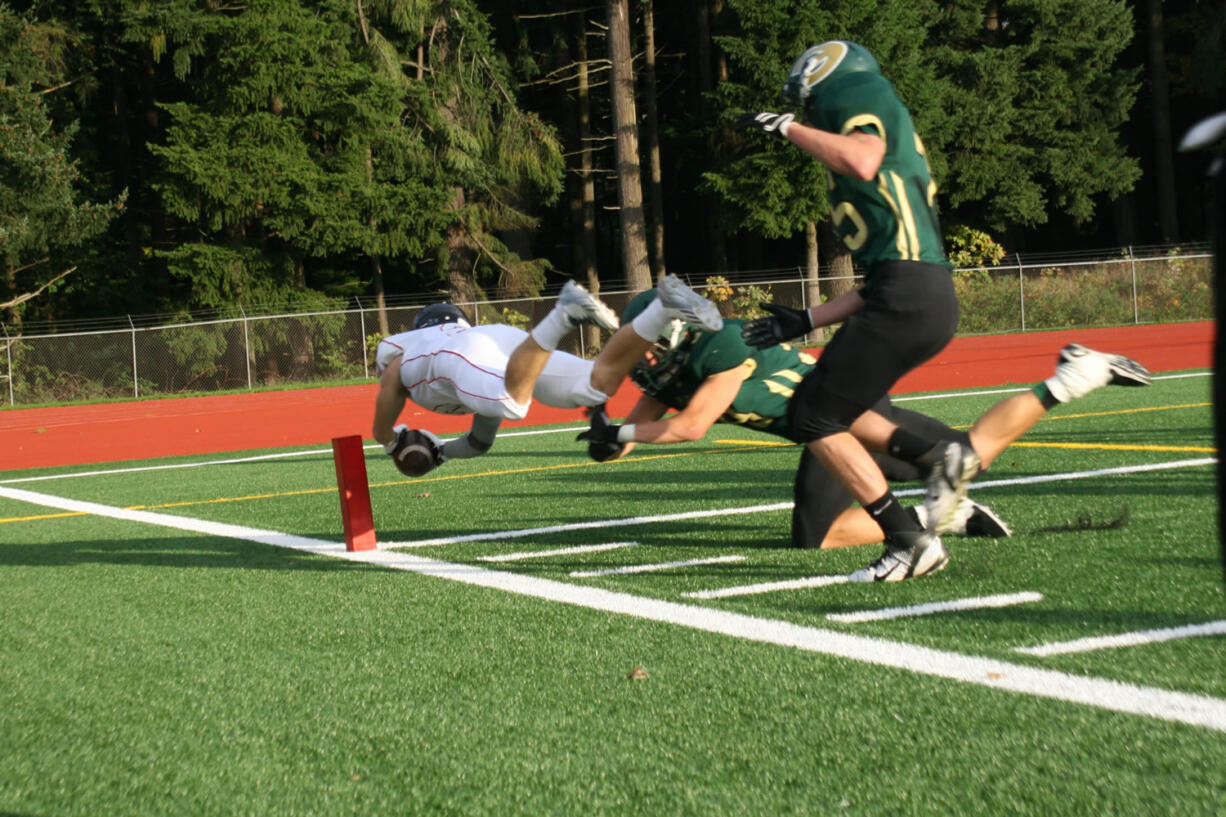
250,352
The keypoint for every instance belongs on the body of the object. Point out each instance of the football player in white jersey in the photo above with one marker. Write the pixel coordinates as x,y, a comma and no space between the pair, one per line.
494,372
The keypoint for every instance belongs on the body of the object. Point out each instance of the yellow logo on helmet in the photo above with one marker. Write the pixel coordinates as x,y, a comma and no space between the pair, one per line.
821,62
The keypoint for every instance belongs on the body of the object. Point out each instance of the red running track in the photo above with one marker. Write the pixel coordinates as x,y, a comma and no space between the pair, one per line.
143,429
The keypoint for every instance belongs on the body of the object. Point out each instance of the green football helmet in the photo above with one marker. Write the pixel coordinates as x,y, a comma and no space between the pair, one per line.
825,62
672,348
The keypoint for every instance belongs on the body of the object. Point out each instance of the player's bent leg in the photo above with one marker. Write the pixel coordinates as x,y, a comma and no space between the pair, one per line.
999,426
617,358
524,367
566,382
846,458
822,512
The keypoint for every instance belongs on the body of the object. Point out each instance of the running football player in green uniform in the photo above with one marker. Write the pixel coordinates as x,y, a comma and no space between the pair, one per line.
882,202
710,377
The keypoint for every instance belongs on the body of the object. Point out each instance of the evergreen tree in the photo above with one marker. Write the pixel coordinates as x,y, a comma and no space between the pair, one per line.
1019,117
500,162
291,154
1034,102
42,211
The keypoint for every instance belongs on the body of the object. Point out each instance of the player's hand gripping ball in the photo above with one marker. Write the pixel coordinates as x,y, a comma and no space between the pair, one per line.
602,444
415,452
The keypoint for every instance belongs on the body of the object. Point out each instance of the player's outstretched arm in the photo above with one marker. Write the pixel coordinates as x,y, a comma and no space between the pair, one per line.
705,408
478,440
784,323
646,410
389,402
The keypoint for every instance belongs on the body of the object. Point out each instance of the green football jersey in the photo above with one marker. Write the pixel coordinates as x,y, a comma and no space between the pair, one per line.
771,377
892,217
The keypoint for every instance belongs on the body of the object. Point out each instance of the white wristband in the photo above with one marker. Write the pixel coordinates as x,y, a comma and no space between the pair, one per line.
625,434
783,128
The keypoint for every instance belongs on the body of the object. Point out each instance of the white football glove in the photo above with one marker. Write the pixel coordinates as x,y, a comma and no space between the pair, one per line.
389,447
767,122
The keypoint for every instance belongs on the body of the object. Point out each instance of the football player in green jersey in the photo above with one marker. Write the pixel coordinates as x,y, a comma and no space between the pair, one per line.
882,201
715,377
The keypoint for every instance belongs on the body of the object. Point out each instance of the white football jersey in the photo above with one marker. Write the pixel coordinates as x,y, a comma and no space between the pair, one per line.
455,369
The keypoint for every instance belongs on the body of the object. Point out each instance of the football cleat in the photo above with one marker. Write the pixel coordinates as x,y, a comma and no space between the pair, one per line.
983,521
688,305
954,467
969,519
907,555
580,306
1081,370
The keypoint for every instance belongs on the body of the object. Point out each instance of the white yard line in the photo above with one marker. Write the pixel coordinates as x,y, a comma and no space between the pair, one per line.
652,568
168,467
1101,472
1014,389
979,603
768,587
1136,639
537,554
574,526
1181,707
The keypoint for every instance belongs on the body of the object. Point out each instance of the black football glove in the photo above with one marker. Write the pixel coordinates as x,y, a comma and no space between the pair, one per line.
766,121
601,438
783,324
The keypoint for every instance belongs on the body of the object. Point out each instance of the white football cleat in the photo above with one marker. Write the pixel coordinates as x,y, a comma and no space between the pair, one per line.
1081,370
907,556
983,521
688,305
956,465
580,307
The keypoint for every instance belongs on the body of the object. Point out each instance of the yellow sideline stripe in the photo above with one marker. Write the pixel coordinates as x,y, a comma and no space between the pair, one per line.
41,516
1125,411
1200,449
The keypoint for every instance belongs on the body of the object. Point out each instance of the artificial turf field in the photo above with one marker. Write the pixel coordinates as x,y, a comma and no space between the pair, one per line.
188,637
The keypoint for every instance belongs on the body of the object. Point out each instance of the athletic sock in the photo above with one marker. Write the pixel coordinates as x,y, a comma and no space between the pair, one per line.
548,333
652,321
1044,394
892,517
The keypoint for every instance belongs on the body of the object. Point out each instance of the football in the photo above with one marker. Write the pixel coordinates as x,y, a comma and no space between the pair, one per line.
415,452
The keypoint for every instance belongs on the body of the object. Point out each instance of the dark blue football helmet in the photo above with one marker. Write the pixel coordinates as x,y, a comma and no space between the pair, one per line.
434,314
